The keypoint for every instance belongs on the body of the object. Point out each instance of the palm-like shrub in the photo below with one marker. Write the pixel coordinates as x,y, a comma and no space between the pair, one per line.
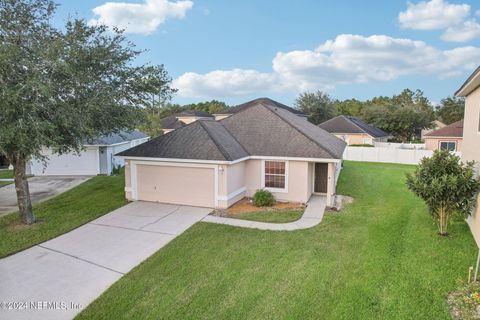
446,185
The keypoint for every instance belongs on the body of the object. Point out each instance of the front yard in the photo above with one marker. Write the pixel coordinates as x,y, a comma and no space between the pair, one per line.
380,258
5,174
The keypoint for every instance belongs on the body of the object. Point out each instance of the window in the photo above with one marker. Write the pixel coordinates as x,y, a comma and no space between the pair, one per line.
275,174
448,145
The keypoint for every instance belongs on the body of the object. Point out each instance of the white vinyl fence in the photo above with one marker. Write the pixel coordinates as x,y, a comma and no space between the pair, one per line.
390,155
418,146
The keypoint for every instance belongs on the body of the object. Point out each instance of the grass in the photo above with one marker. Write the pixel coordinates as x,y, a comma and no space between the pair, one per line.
65,212
6,174
276,216
380,258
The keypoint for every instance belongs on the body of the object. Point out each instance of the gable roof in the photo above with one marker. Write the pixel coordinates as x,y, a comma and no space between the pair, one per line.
194,113
122,136
199,140
259,129
265,101
171,122
347,124
470,84
452,130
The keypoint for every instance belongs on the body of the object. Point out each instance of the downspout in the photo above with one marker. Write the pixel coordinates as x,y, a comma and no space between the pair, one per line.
476,267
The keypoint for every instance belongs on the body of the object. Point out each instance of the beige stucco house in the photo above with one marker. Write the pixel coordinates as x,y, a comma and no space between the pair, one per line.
436,125
471,137
447,138
354,131
212,163
181,119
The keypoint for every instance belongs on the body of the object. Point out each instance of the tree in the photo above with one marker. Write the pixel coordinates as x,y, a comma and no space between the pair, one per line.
451,109
446,185
60,88
213,106
349,107
318,106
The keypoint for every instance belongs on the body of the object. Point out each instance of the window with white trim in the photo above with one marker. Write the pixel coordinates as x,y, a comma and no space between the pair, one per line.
275,174
448,145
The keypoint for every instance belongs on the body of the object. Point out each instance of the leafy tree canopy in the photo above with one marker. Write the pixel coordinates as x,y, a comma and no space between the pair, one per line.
318,106
451,109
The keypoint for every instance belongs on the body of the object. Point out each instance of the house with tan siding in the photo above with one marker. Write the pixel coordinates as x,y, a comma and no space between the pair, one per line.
471,138
354,131
447,138
210,163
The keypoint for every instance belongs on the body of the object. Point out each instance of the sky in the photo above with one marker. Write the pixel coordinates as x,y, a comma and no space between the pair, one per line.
236,51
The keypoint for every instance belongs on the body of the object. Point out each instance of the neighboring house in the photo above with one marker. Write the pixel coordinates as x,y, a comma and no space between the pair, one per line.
233,110
97,158
181,119
354,131
212,163
436,125
447,138
471,138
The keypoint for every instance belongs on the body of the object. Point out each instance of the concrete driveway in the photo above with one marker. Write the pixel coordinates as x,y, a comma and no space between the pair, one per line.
65,274
41,189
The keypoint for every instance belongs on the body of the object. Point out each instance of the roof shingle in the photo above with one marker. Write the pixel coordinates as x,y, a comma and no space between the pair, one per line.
346,124
452,130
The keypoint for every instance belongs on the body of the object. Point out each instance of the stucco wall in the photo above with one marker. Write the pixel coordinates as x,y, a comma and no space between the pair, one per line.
355,138
471,150
128,181
434,143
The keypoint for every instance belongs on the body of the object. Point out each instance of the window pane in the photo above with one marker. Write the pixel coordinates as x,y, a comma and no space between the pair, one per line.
275,174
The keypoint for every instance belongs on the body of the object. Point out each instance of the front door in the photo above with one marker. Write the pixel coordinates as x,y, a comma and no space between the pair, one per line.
321,177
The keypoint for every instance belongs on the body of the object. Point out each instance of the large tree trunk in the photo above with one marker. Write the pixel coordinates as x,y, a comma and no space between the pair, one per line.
21,186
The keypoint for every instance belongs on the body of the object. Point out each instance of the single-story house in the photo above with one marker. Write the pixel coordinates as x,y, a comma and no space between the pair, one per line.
181,119
233,110
354,131
210,163
446,138
436,125
97,158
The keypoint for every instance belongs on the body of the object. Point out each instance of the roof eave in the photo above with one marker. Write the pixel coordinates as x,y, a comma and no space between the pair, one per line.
472,83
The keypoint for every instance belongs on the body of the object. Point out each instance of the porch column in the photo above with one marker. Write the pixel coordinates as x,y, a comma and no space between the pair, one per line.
331,184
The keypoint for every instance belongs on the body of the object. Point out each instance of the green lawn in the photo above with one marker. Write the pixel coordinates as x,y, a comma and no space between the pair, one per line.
63,213
380,258
271,216
6,174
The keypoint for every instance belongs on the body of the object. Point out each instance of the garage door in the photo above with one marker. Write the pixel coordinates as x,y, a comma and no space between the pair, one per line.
68,164
179,185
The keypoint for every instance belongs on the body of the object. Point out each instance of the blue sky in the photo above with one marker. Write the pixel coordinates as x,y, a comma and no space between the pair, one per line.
238,50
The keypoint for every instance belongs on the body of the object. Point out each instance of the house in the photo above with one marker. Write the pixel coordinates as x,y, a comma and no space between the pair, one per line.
233,110
97,158
181,119
471,138
447,138
436,125
354,131
210,163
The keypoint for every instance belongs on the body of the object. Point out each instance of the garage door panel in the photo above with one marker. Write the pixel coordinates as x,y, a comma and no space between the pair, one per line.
179,185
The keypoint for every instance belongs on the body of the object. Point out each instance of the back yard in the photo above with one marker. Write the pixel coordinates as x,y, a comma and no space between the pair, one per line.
379,258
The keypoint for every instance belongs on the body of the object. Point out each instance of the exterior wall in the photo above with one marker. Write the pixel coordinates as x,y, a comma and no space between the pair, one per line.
128,181
221,116
87,163
471,150
188,120
355,138
434,143
231,186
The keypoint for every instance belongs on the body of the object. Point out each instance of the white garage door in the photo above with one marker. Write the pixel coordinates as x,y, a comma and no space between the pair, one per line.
179,185
68,164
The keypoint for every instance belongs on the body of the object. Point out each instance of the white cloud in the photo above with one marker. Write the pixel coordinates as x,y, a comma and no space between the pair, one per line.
139,17
467,31
432,15
344,60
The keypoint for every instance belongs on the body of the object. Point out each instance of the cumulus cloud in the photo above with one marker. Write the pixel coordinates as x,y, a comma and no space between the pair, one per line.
454,19
139,17
432,15
346,59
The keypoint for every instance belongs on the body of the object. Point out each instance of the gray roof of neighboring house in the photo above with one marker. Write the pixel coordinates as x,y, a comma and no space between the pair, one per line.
171,122
194,113
263,101
346,124
122,136
260,129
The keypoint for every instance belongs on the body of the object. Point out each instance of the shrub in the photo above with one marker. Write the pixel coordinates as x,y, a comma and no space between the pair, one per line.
446,185
263,198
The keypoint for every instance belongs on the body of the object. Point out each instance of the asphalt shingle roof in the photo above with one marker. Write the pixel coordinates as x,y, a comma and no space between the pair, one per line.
194,113
258,129
345,124
122,136
171,122
265,101
452,130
